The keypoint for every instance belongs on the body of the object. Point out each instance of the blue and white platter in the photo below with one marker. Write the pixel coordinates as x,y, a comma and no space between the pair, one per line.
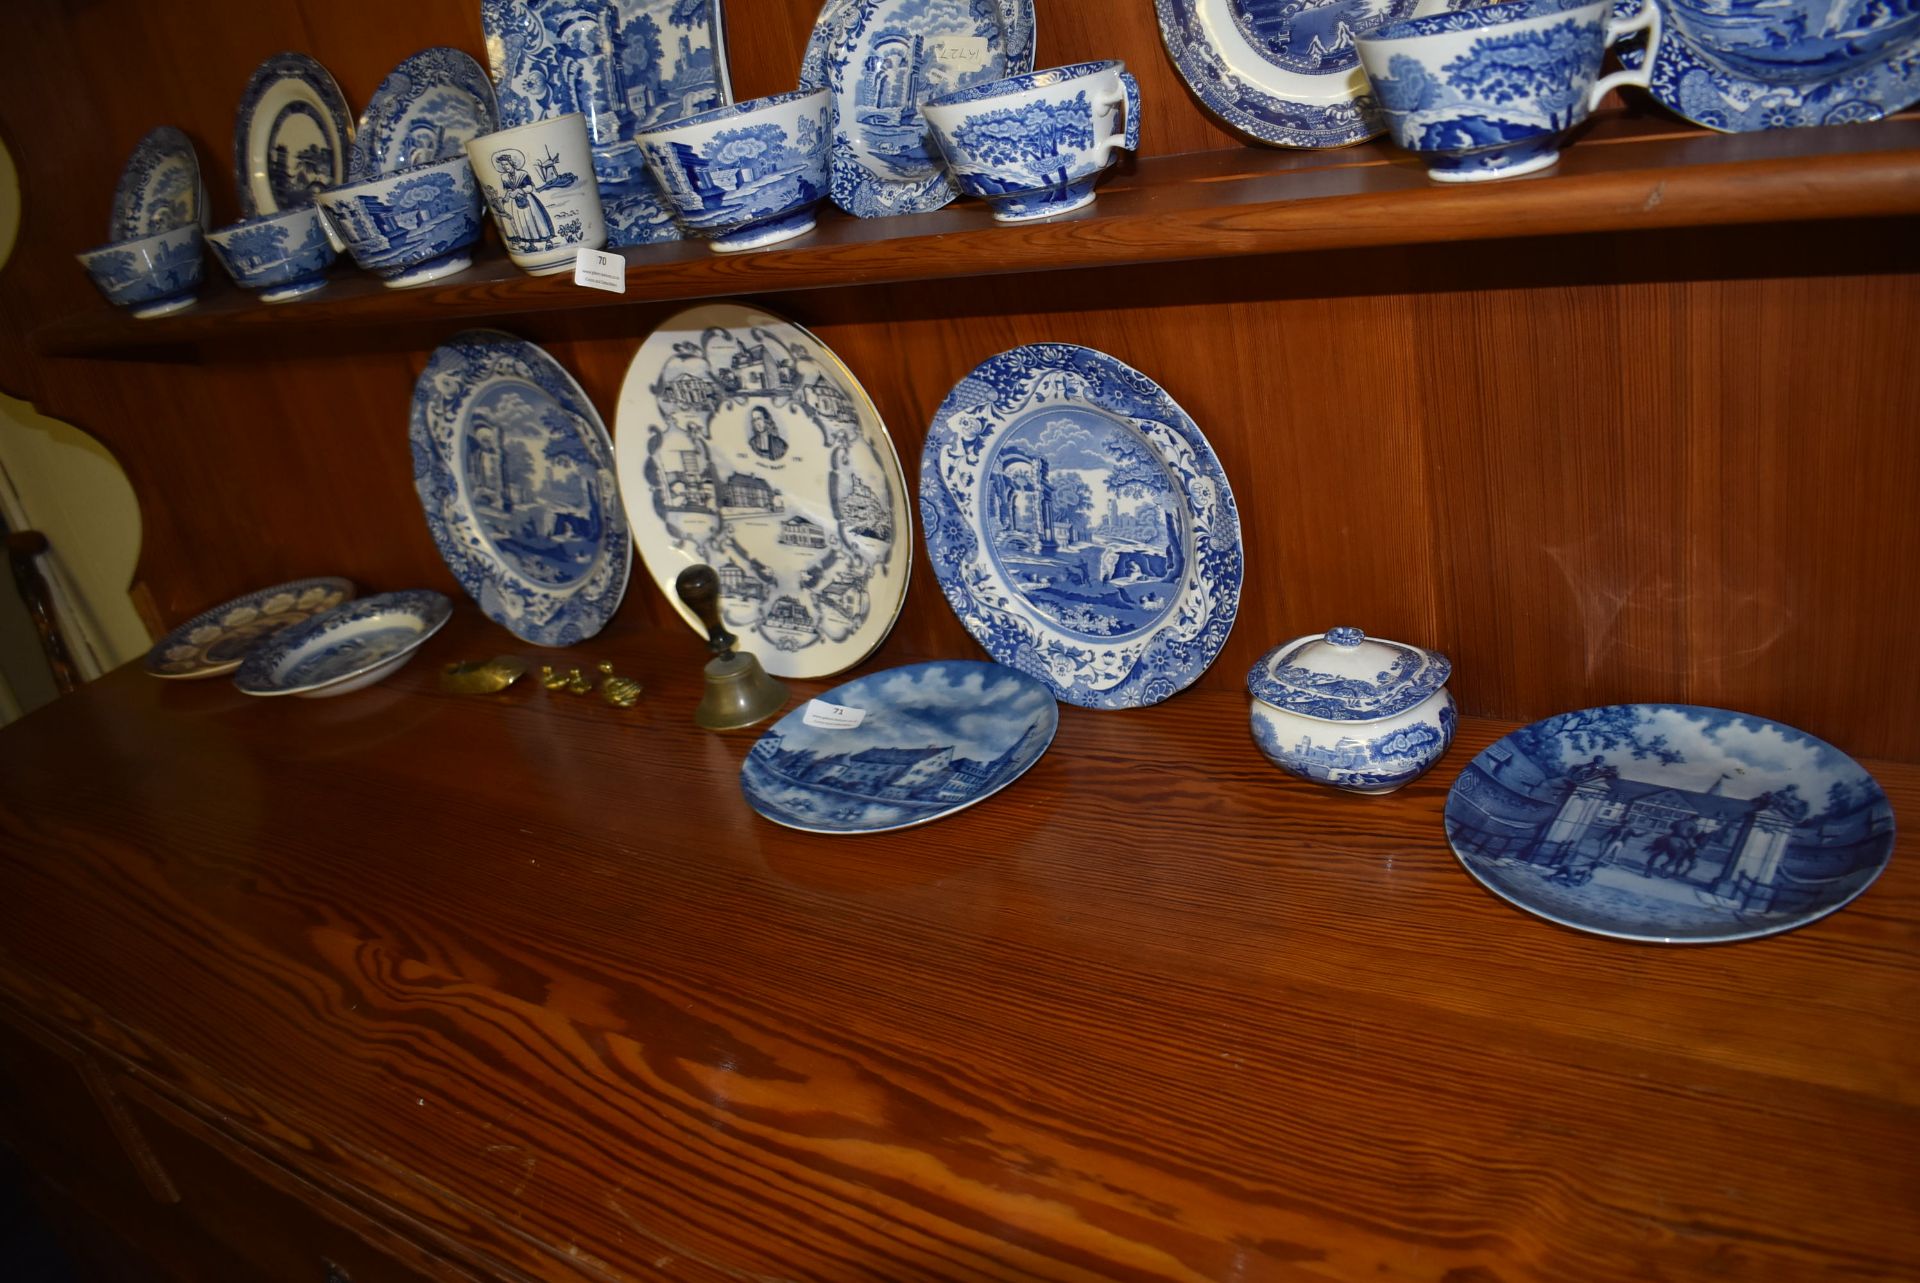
516,476
291,136
1670,823
625,65
159,188
1745,65
345,649
881,59
427,109
745,444
214,641
1081,526
900,747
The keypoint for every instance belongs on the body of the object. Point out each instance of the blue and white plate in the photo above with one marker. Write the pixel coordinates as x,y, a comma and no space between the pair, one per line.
291,136
1670,823
626,65
901,747
1745,65
516,476
745,444
159,188
1081,526
882,59
215,641
427,109
1017,16
347,648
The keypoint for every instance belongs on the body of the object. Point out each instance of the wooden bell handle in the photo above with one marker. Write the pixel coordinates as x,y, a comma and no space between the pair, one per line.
699,587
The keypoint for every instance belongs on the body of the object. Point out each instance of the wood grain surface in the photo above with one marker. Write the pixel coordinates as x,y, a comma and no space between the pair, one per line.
527,979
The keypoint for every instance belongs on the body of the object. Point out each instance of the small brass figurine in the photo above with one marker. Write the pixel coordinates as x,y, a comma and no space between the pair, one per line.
551,680
621,692
482,676
578,682
739,691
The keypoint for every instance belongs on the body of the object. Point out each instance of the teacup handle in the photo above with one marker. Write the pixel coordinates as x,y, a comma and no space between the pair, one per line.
1647,20
1130,95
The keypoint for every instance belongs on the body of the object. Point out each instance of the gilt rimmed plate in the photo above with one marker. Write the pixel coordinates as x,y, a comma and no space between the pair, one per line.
159,187
901,747
1669,823
215,641
515,473
426,110
1081,526
347,648
291,136
747,445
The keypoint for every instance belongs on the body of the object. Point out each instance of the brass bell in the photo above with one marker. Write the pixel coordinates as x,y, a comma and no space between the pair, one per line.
739,692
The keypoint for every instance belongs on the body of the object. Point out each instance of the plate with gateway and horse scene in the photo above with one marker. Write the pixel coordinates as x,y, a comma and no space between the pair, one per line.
1670,823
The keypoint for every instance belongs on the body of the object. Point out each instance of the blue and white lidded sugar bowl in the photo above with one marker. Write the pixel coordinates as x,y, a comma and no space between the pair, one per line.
1352,711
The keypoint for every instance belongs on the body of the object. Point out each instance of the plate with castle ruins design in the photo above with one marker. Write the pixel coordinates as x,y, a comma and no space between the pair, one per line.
291,135
901,747
515,474
1081,526
215,641
745,444
159,187
1670,823
427,109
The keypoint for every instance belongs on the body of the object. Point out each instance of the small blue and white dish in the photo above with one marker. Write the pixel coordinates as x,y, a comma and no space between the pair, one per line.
345,649
159,188
1448,88
748,175
285,256
409,228
900,747
427,110
291,136
1033,145
155,275
1351,711
1670,823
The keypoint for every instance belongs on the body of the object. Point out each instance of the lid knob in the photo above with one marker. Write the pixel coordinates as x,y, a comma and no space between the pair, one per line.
1344,636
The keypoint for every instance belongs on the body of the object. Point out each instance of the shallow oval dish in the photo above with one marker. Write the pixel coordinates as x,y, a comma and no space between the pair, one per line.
1669,823
215,641
345,649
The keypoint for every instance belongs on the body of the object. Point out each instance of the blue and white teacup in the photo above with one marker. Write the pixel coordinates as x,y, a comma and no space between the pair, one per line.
1033,145
153,275
1491,92
539,182
747,175
283,255
412,227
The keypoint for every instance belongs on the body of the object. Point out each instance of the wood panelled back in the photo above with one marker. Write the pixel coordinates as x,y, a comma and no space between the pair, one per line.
1667,466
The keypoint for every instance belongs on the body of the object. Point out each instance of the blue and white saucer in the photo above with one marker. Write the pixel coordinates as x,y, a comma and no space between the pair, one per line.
347,648
1081,526
291,136
426,110
159,188
515,473
214,641
900,747
1670,823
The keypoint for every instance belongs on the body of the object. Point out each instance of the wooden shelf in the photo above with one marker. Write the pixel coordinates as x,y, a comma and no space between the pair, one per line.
1626,174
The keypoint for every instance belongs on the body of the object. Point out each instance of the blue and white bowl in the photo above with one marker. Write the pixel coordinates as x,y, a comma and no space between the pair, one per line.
284,255
346,648
1033,145
1491,92
1350,711
153,275
412,227
747,175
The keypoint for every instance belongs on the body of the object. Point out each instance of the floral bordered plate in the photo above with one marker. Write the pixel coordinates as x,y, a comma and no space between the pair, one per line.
214,641
291,136
515,474
900,747
1669,823
626,65
1081,525
347,648
1018,17
747,445
159,187
427,109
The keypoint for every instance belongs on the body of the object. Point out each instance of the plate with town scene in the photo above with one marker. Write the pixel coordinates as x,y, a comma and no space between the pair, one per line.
745,444
159,187
1081,525
515,473
901,747
1670,823
214,641
291,135
427,109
